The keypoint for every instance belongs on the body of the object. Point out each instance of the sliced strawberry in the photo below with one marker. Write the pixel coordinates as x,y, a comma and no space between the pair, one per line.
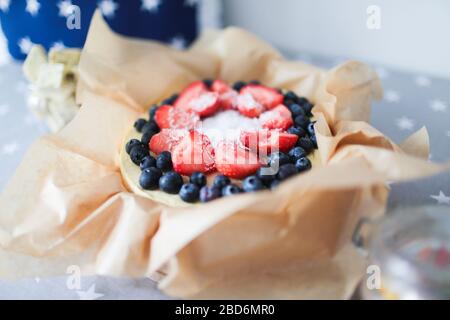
228,100
193,153
248,106
234,161
267,141
165,140
220,87
175,118
192,91
268,97
204,105
278,118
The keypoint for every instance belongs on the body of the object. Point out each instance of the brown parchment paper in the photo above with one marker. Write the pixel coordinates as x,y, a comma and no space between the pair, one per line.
67,204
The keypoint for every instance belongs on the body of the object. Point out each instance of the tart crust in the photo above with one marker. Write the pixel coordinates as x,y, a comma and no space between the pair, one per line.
130,173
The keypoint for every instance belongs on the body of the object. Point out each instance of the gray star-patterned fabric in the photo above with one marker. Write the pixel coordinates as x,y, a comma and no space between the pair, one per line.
53,23
411,101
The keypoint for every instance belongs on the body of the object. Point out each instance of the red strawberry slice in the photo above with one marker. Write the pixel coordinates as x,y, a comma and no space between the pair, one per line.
266,141
192,91
268,97
248,106
234,161
278,118
220,87
204,105
165,140
176,118
193,153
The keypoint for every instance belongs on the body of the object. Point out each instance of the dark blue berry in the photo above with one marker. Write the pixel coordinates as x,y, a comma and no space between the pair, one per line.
314,140
198,178
288,102
230,189
252,183
189,192
147,162
303,164
286,171
280,157
296,110
307,107
139,124
149,178
265,175
306,144
302,100
221,181
238,85
209,193
164,161
291,95
310,128
208,82
147,135
170,100
298,131
297,153
171,182
150,126
302,121
137,153
152,111
130,144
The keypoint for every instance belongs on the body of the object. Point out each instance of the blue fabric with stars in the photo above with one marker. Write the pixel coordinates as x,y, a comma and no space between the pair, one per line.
28,22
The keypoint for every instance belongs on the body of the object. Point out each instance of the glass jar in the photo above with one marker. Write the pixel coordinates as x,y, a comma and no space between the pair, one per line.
409,255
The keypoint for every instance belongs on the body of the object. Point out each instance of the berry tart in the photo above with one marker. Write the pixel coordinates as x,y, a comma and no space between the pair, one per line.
215,140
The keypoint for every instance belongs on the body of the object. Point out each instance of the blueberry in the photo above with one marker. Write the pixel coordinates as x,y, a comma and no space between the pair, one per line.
149,178
306,144
147,162
274,184
189,192
314,140
301,121
171,182
302,100
152,111
307,107
303,164
288,102
281,157
291,95
208,82
286,171
297,153
130,144
221,181
150,126
209,193
198,178
296,110
164,161
147,135
252,183
137,153
238,85
139,124
298,131
310,128
265,178
170,100
230,189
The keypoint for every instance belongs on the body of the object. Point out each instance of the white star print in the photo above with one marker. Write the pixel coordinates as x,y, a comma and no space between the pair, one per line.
382,73
441,198
422,81
4,109
438,105
10,148
392,96
4,5
58,45
33,7
65,8
405,123
190,3
150,5
108,8
178,42
89,294
25,45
